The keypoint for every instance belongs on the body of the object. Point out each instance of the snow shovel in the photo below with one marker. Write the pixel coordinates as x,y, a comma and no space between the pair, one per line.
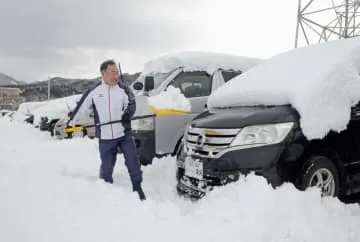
81,127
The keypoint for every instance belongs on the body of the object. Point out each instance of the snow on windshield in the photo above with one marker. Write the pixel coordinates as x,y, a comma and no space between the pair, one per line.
321,81
172,98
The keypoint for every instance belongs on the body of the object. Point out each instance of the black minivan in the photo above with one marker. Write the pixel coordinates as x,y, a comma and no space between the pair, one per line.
212,157
255,124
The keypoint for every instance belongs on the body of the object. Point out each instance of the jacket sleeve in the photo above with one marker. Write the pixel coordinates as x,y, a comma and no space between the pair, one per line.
82,109
131,104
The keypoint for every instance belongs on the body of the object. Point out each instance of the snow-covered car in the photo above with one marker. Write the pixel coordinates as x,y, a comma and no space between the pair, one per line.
47,115
8,114
175,89
3,112
26,110
293,118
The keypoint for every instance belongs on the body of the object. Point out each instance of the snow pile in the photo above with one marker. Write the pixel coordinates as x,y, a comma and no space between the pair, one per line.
321,81
172,99
56,108
199,61
50,192
26,109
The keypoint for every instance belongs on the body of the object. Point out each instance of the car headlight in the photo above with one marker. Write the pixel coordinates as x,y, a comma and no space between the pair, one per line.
144,124
259,135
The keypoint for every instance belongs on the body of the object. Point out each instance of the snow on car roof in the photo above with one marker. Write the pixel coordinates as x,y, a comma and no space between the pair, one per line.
321,81
199,61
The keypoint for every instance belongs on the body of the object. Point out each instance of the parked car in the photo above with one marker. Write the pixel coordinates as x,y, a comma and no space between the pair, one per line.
8,114
197,75
3,112
29,119
47,115
62,124
225,142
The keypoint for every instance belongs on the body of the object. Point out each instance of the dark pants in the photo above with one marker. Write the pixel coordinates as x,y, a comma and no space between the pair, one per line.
108,152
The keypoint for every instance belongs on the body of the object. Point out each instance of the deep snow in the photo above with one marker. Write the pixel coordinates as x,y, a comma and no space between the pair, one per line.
50,192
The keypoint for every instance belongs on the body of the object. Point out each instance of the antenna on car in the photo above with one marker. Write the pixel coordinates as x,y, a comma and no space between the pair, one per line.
68,106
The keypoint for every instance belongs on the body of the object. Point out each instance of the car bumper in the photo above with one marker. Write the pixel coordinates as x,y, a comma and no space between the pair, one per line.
145,145
227,168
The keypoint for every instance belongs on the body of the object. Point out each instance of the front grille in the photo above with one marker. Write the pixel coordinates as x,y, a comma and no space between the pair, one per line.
208,142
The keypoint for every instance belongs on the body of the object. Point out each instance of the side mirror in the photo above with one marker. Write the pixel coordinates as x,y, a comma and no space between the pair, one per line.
138,86
149,83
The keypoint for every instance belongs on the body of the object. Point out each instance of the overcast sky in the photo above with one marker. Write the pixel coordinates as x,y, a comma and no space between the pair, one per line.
71,37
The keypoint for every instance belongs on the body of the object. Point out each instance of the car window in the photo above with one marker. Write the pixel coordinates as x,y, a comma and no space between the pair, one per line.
228,75
193,84
355,112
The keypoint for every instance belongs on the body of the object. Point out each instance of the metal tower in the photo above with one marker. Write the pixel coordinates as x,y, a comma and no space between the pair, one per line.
320,21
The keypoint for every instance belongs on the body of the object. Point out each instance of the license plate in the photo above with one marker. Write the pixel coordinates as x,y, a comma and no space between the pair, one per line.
193,168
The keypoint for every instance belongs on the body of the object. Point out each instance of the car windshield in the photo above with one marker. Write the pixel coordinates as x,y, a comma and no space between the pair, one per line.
160,78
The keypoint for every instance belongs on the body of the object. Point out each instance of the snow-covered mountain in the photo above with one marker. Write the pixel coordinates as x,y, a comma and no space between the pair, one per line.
8,80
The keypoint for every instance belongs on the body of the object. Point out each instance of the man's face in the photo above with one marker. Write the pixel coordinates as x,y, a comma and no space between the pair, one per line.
111,75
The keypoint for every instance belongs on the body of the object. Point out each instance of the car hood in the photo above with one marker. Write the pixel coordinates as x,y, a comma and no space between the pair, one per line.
245,116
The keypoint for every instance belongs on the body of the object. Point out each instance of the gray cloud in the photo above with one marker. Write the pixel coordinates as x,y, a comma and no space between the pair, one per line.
40,37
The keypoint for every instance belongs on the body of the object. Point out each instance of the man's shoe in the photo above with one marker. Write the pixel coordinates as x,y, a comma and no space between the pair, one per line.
141,194
137,188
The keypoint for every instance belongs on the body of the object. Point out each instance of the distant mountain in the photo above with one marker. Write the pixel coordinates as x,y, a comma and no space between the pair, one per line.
8,80
60,87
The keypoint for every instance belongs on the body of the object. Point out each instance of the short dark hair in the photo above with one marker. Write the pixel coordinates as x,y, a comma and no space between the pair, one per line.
105,65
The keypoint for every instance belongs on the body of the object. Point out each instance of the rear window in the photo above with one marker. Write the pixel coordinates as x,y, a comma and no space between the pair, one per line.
228,75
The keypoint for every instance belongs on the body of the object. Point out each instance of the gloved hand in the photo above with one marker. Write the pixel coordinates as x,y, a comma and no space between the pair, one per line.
126,117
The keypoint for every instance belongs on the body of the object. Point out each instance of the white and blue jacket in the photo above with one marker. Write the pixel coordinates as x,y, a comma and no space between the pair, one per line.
109,103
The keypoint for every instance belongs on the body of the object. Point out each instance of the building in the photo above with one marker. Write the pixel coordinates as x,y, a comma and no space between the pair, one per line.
10,98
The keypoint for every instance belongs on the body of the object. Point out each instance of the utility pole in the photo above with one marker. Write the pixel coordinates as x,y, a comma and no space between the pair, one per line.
49,88
334,19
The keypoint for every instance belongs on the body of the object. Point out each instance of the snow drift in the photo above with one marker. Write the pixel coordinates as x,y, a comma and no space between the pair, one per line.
50,192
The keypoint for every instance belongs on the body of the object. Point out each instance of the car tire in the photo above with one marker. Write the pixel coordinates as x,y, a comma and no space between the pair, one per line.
51,128
320,171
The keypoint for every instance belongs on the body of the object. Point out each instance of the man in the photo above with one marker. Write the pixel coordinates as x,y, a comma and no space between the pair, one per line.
113,104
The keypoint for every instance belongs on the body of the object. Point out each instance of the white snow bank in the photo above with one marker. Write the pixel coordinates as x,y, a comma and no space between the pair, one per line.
172,98
56,108
50,192
321,81
199,61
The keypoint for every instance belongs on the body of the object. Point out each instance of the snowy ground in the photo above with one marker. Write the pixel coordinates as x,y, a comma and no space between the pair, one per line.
49,192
